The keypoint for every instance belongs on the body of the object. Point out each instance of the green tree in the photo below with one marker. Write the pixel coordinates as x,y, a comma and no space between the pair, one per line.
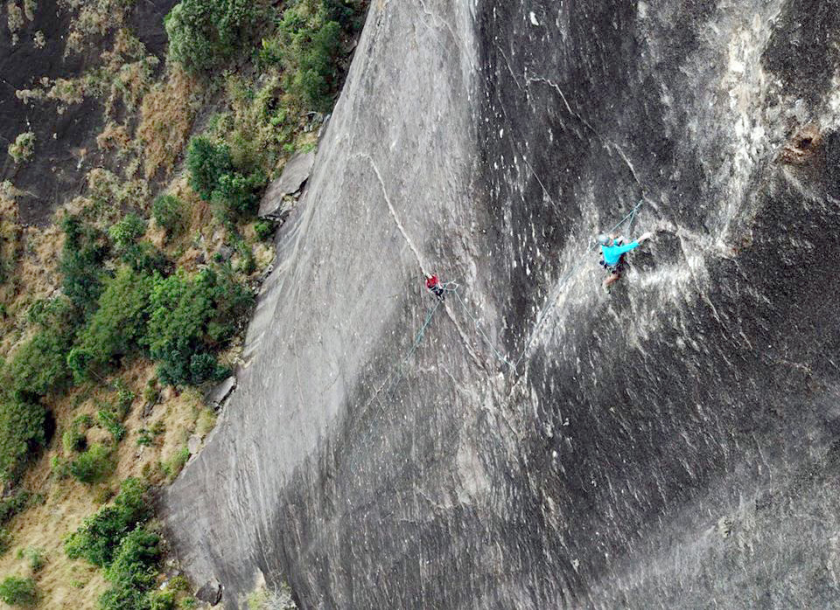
93,465
311,39
192,317
118,327
98,539
39,366
168,212
206,34
207,163
81,262
127,231
21,434
238,195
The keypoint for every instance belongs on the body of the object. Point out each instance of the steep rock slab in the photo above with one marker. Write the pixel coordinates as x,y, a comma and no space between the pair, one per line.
670,445
392,179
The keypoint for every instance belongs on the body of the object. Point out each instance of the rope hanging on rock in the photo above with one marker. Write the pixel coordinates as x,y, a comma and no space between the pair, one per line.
452,287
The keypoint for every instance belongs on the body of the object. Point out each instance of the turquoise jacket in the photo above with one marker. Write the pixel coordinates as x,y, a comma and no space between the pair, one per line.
612,254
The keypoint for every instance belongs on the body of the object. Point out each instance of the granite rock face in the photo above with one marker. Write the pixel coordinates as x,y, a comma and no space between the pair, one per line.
674,444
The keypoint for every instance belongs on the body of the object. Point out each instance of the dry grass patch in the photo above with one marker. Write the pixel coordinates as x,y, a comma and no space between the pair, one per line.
167,114
77,585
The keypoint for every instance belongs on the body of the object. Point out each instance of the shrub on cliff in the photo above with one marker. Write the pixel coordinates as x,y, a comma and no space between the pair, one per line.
215,178
117,327
21,432
168,212
18,591
38,367
132,575
238,195
207,163
81,262
22,148
310,40
93,465
191,317
98,539
206,34
127,231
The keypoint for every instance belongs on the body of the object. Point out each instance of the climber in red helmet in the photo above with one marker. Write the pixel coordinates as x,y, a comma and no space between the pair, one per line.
433,284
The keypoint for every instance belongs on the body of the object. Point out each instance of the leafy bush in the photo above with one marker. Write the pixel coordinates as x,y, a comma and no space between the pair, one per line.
264,229
21,433
311,39
117,327
22,148
206,34
93,465
161,600
192,316
343,11
99,537
35,557
56,312
144,257
207,163
215,178
17,591
39,366
168,212
135,559
238,195
73,441
132,574
124,399
127,231
13,504
81,262
109,421
5,540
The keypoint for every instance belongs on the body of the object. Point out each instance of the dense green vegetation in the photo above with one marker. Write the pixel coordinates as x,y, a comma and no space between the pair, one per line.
18,591
205,34
98,539
85,249
215,178
309,40
190,316
168,212
21,433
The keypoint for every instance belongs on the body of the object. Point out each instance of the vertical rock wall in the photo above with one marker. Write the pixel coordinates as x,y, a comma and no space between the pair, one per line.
671,444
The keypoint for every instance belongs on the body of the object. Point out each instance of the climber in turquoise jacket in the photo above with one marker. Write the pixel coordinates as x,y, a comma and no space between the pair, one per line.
613,250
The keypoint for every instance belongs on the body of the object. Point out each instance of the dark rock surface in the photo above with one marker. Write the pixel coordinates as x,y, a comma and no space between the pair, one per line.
65,142
675,444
